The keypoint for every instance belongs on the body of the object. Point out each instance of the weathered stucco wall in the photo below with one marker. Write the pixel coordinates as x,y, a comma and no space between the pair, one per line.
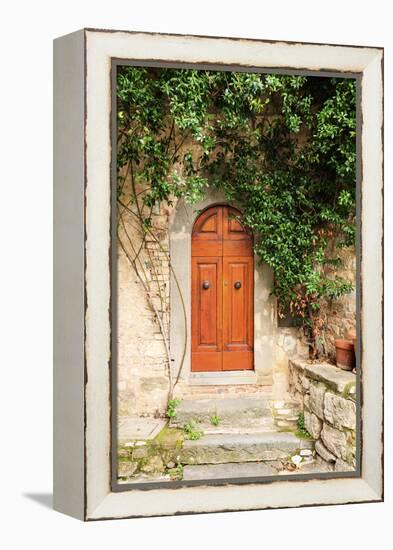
328,398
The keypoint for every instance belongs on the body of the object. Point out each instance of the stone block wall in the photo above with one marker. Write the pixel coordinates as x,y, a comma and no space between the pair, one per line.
143,381
327,396
339,315
289,343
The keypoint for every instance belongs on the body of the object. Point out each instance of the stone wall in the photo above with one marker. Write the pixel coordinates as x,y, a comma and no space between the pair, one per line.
327,396
339,315
142,359
289,343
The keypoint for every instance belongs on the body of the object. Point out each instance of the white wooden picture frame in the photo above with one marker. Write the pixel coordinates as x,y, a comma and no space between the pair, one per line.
83,253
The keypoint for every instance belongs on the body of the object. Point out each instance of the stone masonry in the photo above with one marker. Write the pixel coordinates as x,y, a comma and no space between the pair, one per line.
142,359
327,396
339,315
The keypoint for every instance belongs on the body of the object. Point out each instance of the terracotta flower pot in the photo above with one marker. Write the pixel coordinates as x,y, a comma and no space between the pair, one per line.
354,345
352,336
345,354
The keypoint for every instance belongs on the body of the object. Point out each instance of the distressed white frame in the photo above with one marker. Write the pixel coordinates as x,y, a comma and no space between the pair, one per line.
89,496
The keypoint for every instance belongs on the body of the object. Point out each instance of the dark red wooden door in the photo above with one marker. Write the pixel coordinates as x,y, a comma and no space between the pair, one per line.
222,292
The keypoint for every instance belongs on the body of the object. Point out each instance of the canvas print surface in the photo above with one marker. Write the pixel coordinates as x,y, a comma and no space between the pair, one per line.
236,306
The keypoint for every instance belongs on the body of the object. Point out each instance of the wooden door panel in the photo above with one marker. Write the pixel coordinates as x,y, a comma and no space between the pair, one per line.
208,226
236,240
236,248
237,304
237,360
221,314
232,227
206,314
207,233
206,362
209,274
207,248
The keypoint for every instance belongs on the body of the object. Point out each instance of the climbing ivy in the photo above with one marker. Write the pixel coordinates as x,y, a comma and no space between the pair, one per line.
283,148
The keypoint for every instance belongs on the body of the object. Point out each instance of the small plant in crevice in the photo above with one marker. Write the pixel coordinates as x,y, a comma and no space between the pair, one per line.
349,390
171,408
179,469
301,427
191,431
176,474
215,420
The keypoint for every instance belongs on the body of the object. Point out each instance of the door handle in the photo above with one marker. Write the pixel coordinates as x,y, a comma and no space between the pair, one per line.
205,285
237,285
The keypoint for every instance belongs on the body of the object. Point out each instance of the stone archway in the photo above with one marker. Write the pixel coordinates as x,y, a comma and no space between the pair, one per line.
265,324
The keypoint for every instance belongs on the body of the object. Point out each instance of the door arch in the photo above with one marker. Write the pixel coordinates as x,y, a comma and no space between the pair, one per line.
222,292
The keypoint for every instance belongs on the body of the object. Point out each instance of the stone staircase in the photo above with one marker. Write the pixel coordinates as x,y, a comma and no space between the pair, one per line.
242,436
220,438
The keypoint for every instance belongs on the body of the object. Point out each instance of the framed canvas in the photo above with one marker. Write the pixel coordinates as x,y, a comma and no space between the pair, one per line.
218,274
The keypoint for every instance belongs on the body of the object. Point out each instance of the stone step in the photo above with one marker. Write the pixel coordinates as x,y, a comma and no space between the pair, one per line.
227,448
257,413
228,471
237,470
187,390
231,411
257,426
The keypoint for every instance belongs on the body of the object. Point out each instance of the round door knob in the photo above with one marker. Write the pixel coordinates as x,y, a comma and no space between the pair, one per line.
205,285
237,285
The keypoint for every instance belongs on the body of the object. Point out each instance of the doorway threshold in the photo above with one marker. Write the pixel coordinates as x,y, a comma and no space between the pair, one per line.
222,378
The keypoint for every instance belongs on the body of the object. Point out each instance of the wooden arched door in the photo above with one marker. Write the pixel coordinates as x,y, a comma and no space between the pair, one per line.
222,317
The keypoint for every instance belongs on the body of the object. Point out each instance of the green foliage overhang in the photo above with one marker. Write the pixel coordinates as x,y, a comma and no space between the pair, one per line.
283,148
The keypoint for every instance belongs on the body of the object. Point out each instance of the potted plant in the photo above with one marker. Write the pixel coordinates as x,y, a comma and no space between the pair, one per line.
352,336
345,354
